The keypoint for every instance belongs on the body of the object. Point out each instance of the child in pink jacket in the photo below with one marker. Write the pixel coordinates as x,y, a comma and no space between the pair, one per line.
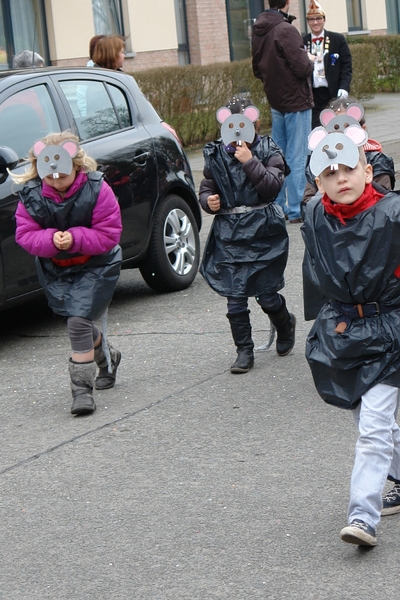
69,218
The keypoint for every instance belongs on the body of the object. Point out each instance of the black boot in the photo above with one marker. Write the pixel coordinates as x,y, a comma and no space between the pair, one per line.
241,333
285,324
82,383
106,379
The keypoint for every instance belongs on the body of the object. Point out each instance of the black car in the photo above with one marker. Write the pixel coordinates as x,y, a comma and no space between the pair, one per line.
140,155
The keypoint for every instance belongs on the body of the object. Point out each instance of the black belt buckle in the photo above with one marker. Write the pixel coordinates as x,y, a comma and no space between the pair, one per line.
376,304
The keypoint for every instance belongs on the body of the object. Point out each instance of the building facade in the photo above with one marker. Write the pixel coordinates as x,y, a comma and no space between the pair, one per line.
166,32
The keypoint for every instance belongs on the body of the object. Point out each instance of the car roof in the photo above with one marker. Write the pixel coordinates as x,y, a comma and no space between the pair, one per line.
40,71
147,111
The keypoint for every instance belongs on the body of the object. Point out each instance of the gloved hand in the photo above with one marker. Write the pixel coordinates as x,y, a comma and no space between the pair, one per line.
342,94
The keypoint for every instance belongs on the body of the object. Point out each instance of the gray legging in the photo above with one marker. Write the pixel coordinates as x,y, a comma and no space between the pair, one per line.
82,334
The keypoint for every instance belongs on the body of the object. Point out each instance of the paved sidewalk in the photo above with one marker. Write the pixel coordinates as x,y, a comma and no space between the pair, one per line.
382,116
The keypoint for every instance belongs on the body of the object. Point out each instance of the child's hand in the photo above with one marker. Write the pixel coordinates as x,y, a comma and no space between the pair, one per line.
214,203
243,153
62,240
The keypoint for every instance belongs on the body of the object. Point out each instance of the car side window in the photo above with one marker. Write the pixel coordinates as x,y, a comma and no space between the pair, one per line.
98,108
25,117
121,105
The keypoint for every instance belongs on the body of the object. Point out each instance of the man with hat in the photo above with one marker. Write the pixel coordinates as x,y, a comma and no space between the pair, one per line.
332,66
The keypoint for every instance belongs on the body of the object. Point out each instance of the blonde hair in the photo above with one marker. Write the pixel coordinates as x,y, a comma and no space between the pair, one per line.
107,50
363,158
80,162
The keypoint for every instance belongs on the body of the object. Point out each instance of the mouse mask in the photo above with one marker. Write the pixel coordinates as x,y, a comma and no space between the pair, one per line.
237,127
55,160
332,149
339,121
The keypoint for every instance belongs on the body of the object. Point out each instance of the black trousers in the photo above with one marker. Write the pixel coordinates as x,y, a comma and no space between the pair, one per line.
321,100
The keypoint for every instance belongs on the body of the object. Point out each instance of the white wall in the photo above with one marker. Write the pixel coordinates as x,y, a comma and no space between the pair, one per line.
71,26
152,25
375,14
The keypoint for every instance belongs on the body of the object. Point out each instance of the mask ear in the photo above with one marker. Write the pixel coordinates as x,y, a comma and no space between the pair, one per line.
38,147
356,111
357,134
326,116
222,114
317,134
71,147
252,113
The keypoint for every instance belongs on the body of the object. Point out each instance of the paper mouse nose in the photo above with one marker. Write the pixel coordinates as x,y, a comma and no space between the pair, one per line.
329,153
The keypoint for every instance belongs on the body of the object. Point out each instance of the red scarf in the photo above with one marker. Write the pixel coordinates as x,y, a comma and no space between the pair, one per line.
347,211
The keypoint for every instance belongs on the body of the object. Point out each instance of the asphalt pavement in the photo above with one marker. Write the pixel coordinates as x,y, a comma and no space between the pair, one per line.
188,482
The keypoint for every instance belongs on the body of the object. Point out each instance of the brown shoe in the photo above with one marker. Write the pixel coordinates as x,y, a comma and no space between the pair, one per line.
300,220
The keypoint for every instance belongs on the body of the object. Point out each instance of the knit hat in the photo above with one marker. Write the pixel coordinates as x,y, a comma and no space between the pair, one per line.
315,8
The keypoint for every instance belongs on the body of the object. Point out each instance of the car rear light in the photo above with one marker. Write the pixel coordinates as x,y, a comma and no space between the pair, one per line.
171,130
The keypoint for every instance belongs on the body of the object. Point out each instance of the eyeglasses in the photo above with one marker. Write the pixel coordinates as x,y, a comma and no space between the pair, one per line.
315,19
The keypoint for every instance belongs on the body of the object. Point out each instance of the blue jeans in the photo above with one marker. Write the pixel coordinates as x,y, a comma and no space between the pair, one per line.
290,131
377,452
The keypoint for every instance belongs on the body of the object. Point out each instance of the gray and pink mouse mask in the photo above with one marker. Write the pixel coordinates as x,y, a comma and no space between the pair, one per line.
55,160
238,127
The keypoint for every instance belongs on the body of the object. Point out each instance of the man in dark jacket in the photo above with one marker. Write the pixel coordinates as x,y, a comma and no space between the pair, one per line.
285,68
332,67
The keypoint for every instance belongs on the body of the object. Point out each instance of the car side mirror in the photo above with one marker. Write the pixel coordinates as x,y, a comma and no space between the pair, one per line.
8,160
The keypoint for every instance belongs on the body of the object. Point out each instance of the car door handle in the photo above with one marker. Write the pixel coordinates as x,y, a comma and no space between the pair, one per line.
140,159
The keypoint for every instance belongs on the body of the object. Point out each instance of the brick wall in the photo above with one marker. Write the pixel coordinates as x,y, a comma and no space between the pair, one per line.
149,60
208,31
142,61
293,10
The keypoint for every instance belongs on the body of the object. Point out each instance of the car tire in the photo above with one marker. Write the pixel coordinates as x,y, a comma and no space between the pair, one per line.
173,255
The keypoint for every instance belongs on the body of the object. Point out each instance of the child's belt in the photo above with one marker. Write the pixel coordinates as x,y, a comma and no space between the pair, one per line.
70,262
349,312
236,210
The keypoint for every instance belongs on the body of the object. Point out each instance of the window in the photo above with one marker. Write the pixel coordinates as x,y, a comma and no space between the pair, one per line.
393,16
33,111
97,108
182,32
303,11
241,15
22,28
238,23
354,15
107,16
3,45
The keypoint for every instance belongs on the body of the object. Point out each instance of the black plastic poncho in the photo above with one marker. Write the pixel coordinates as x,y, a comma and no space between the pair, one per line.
245,254
354,264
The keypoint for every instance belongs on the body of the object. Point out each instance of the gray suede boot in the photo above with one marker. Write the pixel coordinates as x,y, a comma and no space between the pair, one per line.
82,383
106,379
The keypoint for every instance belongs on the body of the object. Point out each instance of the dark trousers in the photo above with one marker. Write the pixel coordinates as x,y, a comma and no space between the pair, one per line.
269,301
321,100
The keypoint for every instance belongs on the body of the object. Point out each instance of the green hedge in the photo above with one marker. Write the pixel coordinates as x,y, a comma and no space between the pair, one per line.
386,50
187,97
